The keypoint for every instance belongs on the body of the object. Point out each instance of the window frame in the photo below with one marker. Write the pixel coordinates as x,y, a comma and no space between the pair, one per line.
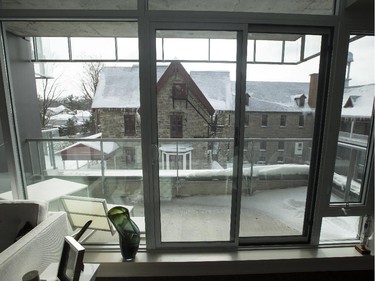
264,121
283,118
146,73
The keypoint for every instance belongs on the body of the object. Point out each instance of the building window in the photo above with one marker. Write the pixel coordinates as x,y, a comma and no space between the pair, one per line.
283,120
262,160
247,119
264,120
179,91
176,126
301,121
129,122
280,145
280,159
263,145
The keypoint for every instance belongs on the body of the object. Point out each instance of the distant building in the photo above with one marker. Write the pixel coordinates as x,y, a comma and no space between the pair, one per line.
201,104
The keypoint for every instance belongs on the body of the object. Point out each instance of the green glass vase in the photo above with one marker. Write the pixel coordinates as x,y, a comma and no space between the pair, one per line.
128,231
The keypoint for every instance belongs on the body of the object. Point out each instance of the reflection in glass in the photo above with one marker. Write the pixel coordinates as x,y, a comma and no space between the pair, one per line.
356,113
336,229
277,150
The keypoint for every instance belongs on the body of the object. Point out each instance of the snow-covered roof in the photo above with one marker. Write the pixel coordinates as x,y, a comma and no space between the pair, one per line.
118,87
276,96
108,146
216,86
357,101
58,109
62,117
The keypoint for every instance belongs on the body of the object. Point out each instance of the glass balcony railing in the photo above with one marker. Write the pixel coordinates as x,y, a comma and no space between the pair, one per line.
189,168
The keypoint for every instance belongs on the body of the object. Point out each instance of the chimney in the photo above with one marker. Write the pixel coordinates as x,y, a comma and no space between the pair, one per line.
313,89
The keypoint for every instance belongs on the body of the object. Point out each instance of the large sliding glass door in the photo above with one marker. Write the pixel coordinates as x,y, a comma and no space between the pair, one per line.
205,114
196,93
282,96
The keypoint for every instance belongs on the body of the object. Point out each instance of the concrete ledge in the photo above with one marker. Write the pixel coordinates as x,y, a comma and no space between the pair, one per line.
231,263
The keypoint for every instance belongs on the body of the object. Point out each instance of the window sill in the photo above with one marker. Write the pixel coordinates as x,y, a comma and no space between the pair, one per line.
230,263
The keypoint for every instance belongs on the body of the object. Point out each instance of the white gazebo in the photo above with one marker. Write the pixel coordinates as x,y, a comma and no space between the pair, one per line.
176,156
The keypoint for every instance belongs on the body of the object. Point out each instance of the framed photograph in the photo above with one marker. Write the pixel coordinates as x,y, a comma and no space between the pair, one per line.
71,262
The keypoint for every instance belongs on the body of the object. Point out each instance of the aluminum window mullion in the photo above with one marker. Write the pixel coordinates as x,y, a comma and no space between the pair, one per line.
239,134
8,124
148,103
331,123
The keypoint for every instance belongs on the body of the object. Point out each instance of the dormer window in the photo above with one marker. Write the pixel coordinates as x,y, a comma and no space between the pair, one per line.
300,100
179,91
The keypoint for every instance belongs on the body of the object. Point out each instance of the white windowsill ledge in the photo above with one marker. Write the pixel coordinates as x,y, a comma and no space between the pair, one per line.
230,263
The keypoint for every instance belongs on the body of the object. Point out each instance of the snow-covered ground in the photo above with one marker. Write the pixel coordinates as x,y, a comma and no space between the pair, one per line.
264,213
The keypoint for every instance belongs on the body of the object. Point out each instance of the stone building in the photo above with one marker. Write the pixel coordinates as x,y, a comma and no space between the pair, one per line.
201,104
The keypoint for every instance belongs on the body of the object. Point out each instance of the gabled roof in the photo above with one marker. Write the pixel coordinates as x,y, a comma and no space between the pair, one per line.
216,87
177,68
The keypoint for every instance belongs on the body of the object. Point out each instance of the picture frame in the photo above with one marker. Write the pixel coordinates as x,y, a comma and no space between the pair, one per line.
71,262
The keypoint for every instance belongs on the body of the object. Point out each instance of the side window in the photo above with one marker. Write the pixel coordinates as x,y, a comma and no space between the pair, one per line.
280,145
263,145
129,122
283,120
247,119
264,120
176,126
301,121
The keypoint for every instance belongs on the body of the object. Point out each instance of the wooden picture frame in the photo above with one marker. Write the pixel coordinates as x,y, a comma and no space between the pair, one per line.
71,262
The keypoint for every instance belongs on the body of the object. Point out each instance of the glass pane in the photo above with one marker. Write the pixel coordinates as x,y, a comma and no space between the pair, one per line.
71,4
312,45
52,48
356,112
268,51
277,149
195,128
292,51
127,48
218,45
179,49
89,48
91,138
266,6
336,229
5,188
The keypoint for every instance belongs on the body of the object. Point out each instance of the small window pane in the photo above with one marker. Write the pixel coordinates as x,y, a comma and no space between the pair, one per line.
127,48
268,51
218,45
90,48
336,229
292,51
52,48
180,49
312,45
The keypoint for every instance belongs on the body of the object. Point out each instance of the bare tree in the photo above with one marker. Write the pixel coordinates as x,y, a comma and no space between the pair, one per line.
89,83
90,80
50,93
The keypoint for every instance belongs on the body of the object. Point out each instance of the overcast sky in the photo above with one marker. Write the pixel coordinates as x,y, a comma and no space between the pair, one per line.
362,68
